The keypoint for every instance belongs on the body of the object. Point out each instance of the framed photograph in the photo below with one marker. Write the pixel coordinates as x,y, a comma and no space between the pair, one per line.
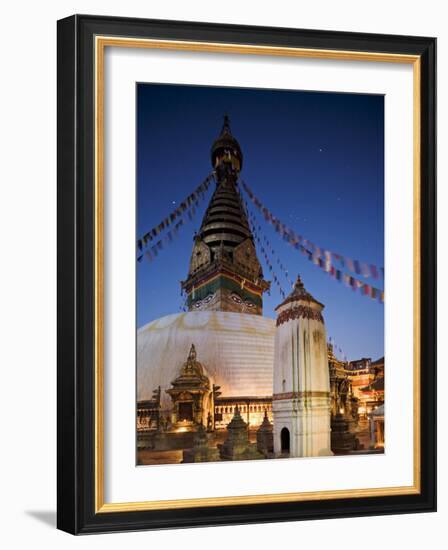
246,274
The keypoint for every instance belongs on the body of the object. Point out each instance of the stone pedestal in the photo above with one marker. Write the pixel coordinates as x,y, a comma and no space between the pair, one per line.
342,440
201,452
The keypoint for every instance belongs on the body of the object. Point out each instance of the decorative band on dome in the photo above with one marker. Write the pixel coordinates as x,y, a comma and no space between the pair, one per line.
298,312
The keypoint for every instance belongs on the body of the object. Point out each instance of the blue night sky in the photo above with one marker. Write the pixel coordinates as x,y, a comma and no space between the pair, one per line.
316,160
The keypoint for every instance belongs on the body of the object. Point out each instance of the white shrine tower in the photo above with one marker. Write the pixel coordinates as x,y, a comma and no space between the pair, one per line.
301,400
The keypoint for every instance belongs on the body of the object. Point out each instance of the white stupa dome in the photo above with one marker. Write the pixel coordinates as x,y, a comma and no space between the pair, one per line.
235,349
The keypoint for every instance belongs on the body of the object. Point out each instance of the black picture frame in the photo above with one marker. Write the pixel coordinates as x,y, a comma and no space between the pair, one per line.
76,286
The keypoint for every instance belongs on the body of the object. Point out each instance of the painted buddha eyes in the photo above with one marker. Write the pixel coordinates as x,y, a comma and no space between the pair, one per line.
236,298
206,300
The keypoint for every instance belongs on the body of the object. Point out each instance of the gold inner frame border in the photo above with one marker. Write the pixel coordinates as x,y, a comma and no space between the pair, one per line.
100,44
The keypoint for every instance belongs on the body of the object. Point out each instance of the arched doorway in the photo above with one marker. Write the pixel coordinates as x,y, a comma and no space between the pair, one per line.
284,440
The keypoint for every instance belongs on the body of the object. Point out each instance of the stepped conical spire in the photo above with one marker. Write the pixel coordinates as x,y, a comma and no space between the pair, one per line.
225,273
225,219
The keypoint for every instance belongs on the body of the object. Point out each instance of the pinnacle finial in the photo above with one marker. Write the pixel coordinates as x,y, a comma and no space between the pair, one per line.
192,354
192,365
226,125
298,284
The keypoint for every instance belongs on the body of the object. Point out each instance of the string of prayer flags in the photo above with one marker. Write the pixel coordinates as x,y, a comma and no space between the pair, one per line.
197,194
352,282
324,264
267,259
291,237
153,251
269,246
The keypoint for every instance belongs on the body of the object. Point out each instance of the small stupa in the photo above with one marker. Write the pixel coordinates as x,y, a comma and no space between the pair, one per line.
237,445
265,437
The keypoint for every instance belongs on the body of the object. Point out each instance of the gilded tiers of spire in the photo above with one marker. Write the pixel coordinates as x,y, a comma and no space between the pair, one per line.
225,222
225,273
